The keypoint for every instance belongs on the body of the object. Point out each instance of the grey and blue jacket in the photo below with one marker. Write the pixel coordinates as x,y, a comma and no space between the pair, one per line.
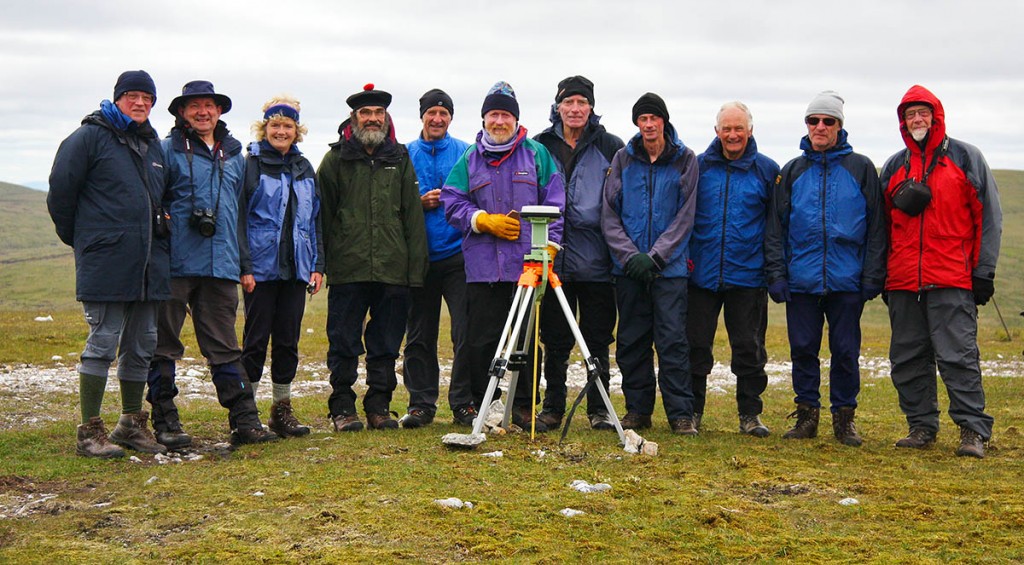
433,160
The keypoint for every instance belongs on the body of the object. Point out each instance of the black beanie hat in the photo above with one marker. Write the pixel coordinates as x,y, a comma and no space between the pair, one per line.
650,103
369,96
501,97
134,80
575,85
436,97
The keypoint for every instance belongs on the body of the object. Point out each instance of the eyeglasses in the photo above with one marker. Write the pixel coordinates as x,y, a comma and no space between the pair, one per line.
371,113
139,96
812,121
923,112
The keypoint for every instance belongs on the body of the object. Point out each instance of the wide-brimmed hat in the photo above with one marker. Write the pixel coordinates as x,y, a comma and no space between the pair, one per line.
196,89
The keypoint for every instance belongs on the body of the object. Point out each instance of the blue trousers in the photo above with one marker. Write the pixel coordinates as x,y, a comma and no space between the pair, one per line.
805,317
654,314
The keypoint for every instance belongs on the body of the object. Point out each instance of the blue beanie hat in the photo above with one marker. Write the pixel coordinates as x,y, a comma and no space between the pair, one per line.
134,80
501,97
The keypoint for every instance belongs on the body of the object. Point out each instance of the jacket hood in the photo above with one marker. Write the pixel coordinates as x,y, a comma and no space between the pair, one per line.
921,95
714,154
673,147
144,130
221,135
842,146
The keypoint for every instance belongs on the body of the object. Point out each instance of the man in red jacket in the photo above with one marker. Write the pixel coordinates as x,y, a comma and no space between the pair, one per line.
945,223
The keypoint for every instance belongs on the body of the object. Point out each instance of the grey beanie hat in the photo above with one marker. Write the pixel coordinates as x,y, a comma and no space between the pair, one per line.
827,103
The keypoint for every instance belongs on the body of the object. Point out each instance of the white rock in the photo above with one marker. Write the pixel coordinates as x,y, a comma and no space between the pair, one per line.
633,441
56,358
195,373
46,318
649,448
849,502
309,330
465,441
494,454
585,487
258,493
540,453
467,504
135,459
570,512
151,480
287,474
495,414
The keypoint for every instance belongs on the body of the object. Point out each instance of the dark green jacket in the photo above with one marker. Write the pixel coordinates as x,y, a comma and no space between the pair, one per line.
371,212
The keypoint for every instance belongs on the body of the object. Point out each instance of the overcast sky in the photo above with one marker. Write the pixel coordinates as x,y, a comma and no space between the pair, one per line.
61,58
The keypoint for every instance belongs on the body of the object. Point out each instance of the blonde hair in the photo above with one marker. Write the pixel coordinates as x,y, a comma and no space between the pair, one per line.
259,127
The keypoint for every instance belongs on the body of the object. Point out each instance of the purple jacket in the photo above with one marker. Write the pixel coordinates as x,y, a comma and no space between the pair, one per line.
498,184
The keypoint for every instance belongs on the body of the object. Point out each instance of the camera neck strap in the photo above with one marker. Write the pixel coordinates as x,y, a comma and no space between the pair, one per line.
218,159
939,152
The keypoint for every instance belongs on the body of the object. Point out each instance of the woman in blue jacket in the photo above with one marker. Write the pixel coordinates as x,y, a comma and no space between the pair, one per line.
283,224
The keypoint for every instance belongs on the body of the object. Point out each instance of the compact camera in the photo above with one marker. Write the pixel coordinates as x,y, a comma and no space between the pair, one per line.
204,220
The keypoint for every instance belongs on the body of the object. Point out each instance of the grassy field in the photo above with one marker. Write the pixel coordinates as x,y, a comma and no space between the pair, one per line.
369,496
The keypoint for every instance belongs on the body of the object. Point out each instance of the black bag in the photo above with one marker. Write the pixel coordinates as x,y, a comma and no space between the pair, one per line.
161,223
911,197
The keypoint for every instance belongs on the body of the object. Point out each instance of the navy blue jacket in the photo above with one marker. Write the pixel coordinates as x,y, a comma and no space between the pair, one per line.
283,209
104,188
648,207
826,228
584,256
727,247
215,178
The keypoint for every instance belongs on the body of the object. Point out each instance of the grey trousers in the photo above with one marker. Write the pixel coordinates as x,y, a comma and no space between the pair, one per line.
938,328
126,330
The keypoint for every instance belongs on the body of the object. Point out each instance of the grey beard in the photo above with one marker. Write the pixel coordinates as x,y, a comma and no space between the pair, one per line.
919,134
370,138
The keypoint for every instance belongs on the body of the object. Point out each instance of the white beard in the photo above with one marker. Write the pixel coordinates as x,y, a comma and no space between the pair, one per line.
919,134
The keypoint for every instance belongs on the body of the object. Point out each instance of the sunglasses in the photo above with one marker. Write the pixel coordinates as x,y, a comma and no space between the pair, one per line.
812,121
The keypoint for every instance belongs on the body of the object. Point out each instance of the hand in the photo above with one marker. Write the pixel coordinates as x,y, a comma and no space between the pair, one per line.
430,200
640,267
316,280
779,291
498,225
553,249
248,283
983,290
869,292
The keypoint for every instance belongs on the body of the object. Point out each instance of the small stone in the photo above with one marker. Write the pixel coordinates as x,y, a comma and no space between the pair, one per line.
649,448
540,453
449,502
151,480
463,441
585,487
309,330
633,442
56,358
570,512
258,493
494,454
46,318
287,474
849,502
135,459
194,373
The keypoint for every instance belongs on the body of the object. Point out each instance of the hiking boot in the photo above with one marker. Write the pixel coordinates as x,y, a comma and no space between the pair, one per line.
416,418
381,421
346,423
132,431
683,426
601,421
521,417
93,441
806,426
971,444
843,427
918,438
173,439
635,421
464,415
244,436
283,421
552,420
751,424
697,417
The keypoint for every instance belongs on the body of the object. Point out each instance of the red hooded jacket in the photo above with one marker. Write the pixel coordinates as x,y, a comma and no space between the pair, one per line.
957,235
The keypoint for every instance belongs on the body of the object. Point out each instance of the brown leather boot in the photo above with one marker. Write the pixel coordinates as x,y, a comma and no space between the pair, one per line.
132,431
93,441
283,421
806,426
843,427
971,444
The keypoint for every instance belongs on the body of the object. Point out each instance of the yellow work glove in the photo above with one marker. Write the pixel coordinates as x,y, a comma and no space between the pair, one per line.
498,225
553,249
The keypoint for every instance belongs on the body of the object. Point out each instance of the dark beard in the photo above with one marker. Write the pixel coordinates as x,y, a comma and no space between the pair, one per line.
370,138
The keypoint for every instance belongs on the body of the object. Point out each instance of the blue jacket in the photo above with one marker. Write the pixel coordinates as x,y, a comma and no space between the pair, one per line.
826,229
433,160
105,184
584,256
215,179
271,180
649,207
727,247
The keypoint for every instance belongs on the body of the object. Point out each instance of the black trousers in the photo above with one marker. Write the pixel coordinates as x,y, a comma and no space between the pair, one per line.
746,319
489,305
595,303
273,314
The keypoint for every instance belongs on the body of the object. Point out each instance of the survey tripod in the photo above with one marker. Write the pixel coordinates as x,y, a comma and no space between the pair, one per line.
510,356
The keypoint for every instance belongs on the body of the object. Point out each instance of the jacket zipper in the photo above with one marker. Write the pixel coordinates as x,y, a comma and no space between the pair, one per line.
725,212
650,207
824,225
920,238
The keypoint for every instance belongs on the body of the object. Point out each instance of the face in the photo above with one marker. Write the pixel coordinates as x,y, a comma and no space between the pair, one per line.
500,125
201,113
574,111
281,133
136,105
652,127
734,131
371,118
435,123
919,120
822,135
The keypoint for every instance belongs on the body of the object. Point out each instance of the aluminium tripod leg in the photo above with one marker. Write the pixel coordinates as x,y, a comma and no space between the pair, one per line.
516,352
593,368
500,363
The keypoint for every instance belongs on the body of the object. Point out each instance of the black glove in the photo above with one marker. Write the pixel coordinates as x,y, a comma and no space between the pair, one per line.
983,290
640,267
